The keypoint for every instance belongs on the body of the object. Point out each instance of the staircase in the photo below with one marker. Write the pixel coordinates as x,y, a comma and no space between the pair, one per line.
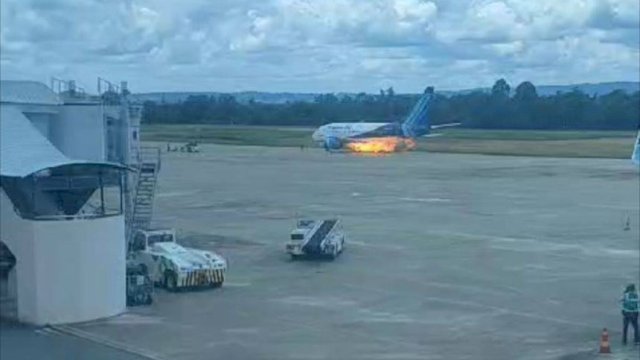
313,246
145,189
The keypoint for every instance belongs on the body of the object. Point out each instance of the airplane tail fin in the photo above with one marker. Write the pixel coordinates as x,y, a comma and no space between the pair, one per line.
635,156
417,123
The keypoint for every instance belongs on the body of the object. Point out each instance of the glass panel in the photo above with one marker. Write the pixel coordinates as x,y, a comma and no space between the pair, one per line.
156,238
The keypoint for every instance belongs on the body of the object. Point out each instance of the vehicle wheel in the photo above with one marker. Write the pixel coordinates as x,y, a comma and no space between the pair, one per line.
170,281
294,257
143,269
334,253
148,300
141,299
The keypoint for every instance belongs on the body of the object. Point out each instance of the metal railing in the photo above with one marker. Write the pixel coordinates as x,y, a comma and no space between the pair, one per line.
77,182
106,86
146,155
149,154
60,86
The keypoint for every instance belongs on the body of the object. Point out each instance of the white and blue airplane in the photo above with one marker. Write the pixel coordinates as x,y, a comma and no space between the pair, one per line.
339,136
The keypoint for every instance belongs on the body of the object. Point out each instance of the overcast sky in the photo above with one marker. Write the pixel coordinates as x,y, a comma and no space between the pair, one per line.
319,46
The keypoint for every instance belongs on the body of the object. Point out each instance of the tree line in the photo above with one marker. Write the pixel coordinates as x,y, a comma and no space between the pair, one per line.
500,108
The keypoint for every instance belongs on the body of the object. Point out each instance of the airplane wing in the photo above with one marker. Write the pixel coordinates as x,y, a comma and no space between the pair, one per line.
438,126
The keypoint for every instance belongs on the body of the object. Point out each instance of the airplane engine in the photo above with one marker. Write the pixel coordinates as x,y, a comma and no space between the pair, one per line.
332,143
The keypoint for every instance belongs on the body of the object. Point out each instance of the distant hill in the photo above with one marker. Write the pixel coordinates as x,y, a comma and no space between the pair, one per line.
243,97
587,88
591,89
284,97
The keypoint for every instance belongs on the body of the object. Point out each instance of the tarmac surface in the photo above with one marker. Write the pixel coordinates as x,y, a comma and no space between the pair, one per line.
447,257
18,342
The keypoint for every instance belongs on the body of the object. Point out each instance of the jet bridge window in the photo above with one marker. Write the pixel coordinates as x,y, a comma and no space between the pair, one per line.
68,192
297,236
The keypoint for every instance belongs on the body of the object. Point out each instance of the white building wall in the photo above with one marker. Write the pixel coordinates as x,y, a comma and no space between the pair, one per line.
79,132
17,234
42,122
12,284
134,144
117,123
135,116
67,271
89,258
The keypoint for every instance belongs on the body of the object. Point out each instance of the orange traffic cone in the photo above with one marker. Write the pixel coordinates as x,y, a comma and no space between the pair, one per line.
605,347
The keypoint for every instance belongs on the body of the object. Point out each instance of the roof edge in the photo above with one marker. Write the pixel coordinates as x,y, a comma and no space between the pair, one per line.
77,163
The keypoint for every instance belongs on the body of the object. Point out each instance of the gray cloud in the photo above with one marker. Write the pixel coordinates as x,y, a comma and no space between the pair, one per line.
304,45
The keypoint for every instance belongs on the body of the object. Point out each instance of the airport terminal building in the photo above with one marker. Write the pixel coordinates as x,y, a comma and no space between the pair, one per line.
66,164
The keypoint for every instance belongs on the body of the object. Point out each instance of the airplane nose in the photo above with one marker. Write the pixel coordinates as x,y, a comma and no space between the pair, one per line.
317,135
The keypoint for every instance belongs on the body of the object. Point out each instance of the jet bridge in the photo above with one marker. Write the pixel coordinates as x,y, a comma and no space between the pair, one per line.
62,220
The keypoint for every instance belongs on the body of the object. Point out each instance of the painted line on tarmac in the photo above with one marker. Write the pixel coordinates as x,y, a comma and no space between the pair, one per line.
496,309
423,200
605,206
46,331
71,331
544,246
506,311
176,194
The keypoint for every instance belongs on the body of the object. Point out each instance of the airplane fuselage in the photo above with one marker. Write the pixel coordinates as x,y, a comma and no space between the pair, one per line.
344,131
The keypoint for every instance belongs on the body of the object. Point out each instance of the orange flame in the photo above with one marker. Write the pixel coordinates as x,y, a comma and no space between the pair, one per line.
381,145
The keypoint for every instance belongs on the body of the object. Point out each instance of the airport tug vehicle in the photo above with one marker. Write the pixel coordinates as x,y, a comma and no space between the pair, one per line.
173,266
316,238
139,285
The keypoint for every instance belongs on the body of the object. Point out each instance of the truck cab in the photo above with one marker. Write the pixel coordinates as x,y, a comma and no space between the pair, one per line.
174,266
296,241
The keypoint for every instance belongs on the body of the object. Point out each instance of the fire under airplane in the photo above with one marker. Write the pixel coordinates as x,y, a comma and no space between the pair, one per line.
380,137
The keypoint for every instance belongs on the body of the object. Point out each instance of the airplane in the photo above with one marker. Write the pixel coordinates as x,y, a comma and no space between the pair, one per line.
635,156
380,137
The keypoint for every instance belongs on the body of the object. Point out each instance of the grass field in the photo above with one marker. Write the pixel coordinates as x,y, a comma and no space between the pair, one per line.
597,144
229,135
